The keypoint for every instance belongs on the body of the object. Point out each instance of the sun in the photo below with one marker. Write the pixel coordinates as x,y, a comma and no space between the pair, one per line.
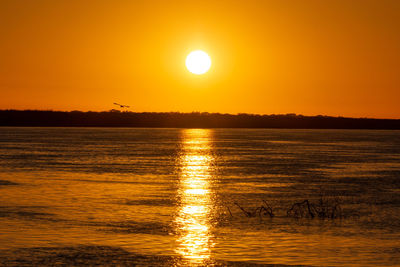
198,62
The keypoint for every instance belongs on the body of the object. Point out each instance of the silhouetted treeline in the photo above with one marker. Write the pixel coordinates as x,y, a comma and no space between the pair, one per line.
115,118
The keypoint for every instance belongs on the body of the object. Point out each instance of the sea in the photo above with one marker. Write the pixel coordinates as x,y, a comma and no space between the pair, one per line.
199,197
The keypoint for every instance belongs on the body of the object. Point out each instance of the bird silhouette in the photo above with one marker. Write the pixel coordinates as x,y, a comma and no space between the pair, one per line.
121,106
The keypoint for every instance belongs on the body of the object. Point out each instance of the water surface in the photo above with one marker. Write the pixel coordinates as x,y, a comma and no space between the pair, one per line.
170,194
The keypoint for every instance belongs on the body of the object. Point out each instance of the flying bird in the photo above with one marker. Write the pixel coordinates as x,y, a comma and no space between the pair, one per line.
121,106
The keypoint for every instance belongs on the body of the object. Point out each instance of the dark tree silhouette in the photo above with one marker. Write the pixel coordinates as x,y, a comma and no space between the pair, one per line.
115,118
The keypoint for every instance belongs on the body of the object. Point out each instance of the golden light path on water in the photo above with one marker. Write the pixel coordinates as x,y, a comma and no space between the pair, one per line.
193,217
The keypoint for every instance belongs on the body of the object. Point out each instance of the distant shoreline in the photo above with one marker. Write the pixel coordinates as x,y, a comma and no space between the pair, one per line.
113,118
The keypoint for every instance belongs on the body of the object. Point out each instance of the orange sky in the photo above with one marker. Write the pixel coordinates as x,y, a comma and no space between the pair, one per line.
306,57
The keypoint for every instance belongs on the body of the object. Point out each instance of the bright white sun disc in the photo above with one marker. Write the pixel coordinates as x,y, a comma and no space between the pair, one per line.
198,62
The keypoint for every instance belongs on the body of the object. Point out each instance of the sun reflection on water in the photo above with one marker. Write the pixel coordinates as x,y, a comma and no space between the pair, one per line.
194,212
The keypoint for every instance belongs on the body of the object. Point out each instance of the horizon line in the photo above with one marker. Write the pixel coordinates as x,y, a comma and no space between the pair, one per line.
202,112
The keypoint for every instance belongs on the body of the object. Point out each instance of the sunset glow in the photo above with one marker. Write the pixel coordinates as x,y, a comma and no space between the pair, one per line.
337,58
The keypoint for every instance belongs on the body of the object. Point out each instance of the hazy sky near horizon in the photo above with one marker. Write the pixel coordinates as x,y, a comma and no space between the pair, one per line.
337,57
